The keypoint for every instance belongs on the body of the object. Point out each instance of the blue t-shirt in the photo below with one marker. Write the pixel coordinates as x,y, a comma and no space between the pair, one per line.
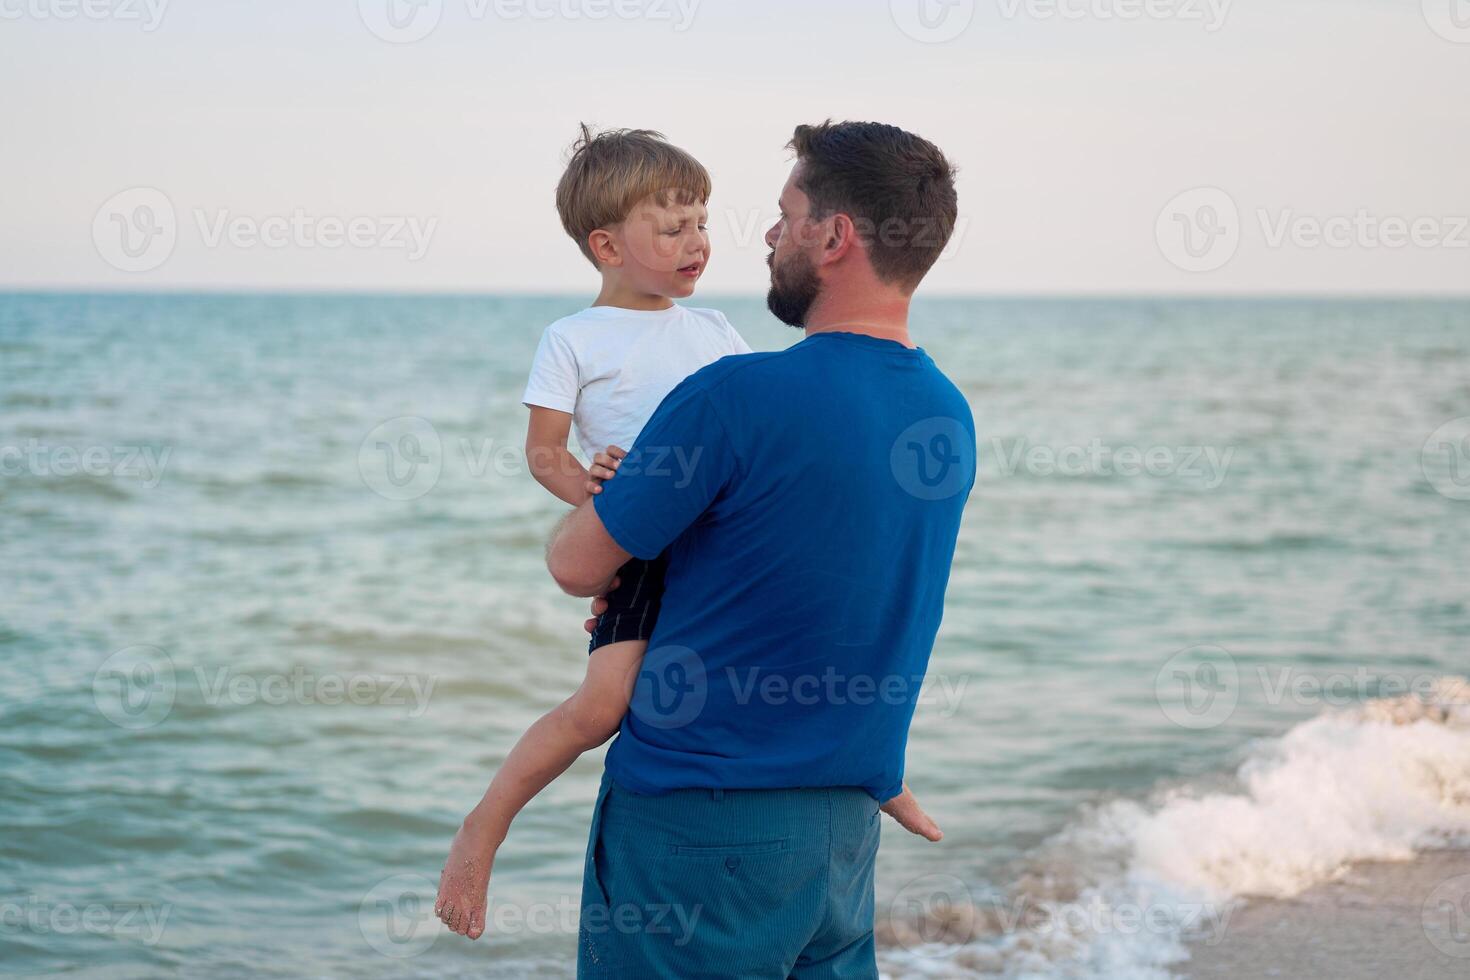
810,500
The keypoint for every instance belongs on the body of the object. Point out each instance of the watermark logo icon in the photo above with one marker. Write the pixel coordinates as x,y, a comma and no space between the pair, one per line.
136,230
1450,19
397,918
1445,916
1445,459
671,688
1199,230
1198,688
932,915
135,687
402,458
401,21
933,459
933,21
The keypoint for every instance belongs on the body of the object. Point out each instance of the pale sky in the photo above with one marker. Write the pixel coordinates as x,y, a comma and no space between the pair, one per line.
1327,127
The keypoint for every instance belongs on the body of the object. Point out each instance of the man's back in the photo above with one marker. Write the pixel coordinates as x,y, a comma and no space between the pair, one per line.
811,500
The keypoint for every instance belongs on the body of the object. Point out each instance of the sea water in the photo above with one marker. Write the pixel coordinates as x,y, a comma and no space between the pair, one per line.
273,608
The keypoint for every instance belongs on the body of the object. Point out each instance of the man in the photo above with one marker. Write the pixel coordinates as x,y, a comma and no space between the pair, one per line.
809,501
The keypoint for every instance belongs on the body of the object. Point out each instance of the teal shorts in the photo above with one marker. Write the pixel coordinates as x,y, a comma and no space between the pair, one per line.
747,883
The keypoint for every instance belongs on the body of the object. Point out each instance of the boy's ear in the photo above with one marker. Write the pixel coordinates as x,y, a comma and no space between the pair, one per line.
604,248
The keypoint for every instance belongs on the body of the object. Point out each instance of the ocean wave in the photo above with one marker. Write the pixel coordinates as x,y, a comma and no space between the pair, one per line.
216,484
1121,892
372,637
1267,544
107,488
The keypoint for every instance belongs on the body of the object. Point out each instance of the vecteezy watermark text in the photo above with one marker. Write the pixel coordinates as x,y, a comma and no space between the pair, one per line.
1211,14
137,687
133,920
142,463
1201,687
1202,230
403,458
301,229
673,686
1206,464
935,915
938,21
137,230
834,687
408,21
148,13
397,919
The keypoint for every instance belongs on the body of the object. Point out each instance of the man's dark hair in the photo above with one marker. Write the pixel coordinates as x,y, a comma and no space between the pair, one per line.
897,187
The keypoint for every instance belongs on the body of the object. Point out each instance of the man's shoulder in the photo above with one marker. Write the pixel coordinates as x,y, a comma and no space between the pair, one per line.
949,389
946,399
736,372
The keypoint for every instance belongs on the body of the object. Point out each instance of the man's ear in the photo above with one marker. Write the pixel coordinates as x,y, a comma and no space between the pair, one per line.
841,237
604,248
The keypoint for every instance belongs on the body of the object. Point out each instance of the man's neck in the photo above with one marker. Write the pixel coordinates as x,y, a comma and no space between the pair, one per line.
884,316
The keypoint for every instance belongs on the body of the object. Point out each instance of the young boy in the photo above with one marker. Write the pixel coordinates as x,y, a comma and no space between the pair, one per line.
635,205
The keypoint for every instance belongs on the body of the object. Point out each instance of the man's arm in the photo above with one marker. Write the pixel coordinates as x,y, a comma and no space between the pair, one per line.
582,557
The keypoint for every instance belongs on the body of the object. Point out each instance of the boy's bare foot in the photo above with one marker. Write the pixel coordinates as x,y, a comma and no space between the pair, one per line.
911,817
464,882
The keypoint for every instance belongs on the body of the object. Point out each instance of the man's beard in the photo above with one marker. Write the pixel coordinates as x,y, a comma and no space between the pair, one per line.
794,288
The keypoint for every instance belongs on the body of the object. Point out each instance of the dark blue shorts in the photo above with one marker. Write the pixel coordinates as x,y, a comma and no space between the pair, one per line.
759,884
632,608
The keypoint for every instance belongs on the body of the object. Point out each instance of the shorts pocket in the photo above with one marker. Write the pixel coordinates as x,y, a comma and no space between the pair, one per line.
742,850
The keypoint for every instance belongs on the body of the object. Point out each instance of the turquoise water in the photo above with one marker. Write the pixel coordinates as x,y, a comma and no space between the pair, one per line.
261,646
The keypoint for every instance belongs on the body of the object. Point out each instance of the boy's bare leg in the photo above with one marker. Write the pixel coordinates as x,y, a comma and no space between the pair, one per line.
583,721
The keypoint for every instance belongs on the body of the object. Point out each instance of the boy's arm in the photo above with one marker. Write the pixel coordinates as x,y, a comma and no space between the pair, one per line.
551,463
584,721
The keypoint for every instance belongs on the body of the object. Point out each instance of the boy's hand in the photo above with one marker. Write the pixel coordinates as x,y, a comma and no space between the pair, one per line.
599,606
464,882
604,467
911,817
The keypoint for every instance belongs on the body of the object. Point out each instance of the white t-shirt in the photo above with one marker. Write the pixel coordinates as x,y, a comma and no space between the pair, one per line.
610,367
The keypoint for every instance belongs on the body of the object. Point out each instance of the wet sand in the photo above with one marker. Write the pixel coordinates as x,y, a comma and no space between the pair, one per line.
1405,921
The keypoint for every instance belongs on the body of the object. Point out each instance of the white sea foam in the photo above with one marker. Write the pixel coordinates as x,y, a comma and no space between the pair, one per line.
1118,895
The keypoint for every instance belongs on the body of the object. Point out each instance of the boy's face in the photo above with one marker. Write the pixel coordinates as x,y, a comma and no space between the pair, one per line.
665,247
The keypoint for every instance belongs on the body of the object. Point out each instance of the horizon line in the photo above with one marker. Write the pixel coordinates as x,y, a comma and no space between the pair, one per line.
344,292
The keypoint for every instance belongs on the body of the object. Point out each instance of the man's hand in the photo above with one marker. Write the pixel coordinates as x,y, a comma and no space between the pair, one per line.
604,467
911,817
599,606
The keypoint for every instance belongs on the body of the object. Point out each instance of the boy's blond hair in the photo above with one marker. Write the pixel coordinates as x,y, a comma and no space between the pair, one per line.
609,172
